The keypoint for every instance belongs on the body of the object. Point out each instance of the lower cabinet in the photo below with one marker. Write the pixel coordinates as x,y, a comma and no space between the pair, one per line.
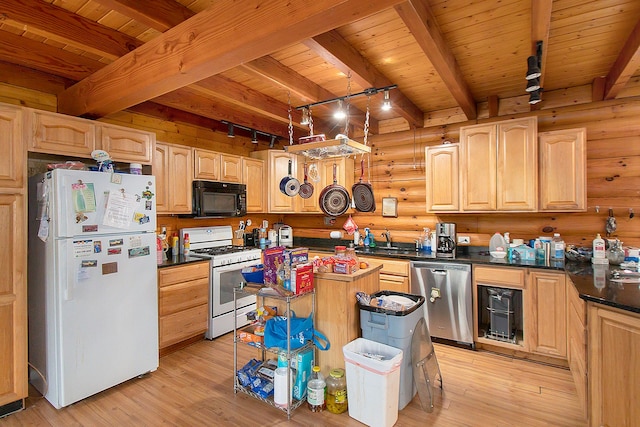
394,275
546,313
614,366
577,343
183,303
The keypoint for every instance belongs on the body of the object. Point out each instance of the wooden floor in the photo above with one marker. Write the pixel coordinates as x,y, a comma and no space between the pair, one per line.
194,387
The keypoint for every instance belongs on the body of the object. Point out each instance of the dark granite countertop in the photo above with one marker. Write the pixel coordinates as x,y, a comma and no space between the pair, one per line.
593,284
181,259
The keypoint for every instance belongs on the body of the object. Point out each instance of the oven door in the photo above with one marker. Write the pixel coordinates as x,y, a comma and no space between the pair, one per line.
223,280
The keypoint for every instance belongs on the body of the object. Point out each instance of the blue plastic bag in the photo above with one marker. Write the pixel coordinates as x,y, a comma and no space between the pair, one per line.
275,333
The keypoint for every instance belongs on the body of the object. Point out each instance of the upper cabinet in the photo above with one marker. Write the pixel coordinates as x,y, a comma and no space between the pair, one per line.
443,190
59,134
276,164
498,166
12,161
125,144
252,177
563,172
173,169
54,133
214,166
230,168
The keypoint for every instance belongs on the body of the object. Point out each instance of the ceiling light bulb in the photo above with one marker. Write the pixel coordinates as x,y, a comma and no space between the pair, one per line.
305,116
254,137
386,104
339,113
230,132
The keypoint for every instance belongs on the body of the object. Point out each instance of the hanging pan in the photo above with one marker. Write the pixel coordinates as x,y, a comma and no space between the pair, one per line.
334,199
363,193
306,188
289,185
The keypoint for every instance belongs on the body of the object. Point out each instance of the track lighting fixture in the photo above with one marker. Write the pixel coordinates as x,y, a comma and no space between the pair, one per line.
386,104
232,127
533,69
533,84
273,141
339,114
254,137
230,132
305,116
534,72
534,98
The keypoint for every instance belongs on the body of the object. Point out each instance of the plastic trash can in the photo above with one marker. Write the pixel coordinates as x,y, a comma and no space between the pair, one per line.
373,380
394,328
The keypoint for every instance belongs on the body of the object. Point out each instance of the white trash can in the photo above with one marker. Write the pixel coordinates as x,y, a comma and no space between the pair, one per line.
372,385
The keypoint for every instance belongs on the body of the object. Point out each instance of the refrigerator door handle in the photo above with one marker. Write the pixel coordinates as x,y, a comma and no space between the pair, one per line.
65,273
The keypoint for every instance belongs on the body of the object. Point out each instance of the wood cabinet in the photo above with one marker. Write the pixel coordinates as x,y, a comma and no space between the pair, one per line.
546,313
59,134
499,165
577,343
614,366
276,167
206,165
394,274
183,302
563,170
173,169
442,178
252,177
126,144
12,160
230,168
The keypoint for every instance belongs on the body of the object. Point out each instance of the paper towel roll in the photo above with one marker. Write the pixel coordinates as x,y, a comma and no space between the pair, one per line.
336,234
280,397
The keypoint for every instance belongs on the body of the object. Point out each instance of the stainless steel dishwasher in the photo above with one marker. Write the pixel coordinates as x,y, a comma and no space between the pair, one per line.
448,308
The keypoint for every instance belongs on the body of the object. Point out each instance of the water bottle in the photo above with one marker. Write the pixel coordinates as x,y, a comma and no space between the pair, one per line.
557,248
315,390
426,241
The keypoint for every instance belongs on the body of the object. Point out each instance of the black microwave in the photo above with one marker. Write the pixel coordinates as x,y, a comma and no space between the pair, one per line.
219,199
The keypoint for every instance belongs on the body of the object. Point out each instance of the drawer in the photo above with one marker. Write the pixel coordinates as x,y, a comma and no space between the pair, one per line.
394,283
183,325
513,277
389,266
183,295
183,273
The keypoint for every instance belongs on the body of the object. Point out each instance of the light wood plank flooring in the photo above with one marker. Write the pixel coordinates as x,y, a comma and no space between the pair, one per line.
194,387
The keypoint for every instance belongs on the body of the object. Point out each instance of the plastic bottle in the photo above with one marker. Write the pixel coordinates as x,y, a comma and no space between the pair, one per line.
497,243
159,251
366,237
426,241
337,392
356,237
599,249
186,245
316,390
557,247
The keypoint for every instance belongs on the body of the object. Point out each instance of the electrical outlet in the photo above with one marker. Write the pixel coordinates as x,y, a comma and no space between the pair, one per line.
464,240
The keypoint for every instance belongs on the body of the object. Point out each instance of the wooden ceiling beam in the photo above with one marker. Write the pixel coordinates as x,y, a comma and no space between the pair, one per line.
160,15
188,99
625,66
207,44
58,24
334,49
419,18
272,70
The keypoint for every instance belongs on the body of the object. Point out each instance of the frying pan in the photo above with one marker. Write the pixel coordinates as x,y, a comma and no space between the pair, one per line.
289,185
306,189
334,199
363,193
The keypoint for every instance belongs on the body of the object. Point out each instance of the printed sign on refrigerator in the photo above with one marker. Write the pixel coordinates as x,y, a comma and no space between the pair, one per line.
120,209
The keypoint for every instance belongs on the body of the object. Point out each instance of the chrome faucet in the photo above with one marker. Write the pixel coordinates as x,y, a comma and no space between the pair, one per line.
387,235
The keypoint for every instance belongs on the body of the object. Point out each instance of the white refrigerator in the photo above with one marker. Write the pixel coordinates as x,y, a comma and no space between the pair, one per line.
92,282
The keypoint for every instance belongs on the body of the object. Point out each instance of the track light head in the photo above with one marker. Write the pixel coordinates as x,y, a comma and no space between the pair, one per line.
230,132
273,141
533,68
534,97
386,104
254,137
305,116
533,84
339,114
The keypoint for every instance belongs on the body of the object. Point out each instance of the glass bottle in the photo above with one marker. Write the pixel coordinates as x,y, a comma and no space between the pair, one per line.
316,390
337,392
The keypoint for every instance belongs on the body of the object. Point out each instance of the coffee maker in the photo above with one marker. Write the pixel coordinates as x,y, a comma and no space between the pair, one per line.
445,240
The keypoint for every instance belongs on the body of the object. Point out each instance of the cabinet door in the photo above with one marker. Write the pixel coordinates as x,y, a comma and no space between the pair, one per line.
310,205
59,134
516,178
478,167
278,169
443,192
577,343
253,173
160,170
546,306
614,366
563,172
13,299
12,160
230,168
127,145
206,165
180,170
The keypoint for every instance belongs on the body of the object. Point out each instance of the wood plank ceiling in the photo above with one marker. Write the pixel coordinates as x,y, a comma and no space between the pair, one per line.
246,62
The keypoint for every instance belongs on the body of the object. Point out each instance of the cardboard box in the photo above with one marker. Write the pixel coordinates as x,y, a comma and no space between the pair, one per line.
302,278
252,334
273,259
303,364
298,255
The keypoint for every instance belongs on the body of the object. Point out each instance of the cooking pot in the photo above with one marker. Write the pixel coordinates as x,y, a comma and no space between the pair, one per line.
334,198
289,185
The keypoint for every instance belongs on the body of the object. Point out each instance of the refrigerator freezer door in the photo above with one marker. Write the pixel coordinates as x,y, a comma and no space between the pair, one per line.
84,203
106,307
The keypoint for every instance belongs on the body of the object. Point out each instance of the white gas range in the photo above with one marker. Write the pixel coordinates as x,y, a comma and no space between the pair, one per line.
226,262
